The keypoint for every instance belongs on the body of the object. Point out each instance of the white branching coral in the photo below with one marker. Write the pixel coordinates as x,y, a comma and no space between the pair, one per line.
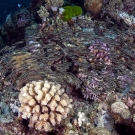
57,3
81,118
44,103
43,13
50,4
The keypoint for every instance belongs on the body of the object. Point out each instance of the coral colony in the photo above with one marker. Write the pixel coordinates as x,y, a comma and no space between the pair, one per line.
67,69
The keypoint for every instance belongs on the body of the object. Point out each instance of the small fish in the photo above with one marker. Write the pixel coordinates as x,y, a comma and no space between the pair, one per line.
19,5
126,91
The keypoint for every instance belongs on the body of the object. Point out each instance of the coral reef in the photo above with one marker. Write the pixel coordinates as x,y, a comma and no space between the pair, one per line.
13,29
89,60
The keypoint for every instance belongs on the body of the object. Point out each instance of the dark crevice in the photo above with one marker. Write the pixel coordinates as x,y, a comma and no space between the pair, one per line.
123,129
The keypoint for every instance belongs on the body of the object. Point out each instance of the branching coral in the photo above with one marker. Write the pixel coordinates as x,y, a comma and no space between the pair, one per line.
43,13
22,22
101,51
88,60
57,3
113,9
23,18
45,104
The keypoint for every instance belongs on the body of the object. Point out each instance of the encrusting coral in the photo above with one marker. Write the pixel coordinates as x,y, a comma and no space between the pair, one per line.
99,131
22,58
44,103
121,109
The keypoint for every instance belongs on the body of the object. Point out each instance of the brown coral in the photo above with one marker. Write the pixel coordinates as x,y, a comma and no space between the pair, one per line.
21,59
93,6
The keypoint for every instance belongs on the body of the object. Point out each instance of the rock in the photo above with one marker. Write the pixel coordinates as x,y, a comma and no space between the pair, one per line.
99,131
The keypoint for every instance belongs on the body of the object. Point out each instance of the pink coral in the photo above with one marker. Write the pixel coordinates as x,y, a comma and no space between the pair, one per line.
101,51
89,94
130,102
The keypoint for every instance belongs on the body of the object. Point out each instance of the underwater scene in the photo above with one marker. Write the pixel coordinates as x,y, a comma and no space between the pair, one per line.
9,7
67,67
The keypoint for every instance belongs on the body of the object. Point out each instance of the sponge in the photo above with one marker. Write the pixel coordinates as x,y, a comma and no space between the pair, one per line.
71,11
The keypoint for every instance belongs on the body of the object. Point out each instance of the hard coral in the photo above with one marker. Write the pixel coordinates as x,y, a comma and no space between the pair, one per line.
55,2
22,59
43,13
44,103
121,109
93,6
101,51
22,22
